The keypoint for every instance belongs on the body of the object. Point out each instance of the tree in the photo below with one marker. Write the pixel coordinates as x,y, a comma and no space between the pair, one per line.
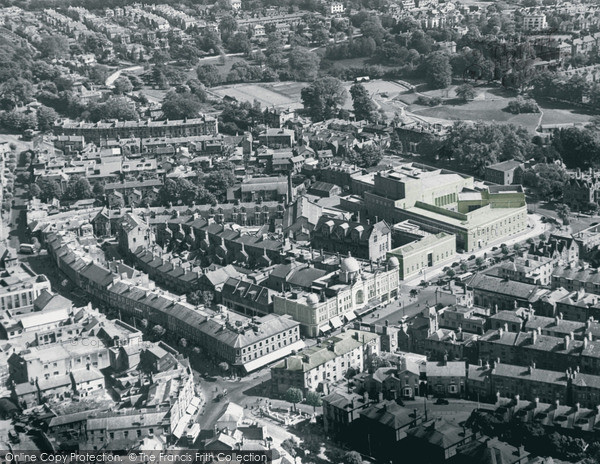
158,331
224,366
239,43
367,156
181,105
98,190
113,108
578,147
313,399
504,249
294,396
450,273
438,70
364,107
207,297
477,145
217,182
372,29
197,88
375,362
396,143
563,212
303,63
227,26
320,35
16,92
466,92
160,57
194,298
18,120
78,188
54,46
548,179
49,189
46,117
122,85
34,191
352,457
464,267
479,261
323,98
208,74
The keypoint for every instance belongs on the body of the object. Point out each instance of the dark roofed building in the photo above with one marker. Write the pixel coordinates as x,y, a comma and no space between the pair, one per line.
437,440
487,450
491,292
247,298
341,410
384,424
362,240
325,189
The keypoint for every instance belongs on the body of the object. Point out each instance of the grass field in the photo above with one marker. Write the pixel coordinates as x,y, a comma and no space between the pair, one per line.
277,94
479,110
489,104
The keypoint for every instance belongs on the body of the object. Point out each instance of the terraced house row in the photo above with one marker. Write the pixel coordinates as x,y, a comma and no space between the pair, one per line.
246,343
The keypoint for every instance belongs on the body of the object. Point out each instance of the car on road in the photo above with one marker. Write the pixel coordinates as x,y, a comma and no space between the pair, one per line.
443,401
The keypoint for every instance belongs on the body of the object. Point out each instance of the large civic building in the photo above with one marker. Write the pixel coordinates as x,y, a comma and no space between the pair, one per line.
443,201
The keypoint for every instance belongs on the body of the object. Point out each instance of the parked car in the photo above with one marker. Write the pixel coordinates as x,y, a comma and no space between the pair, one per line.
443,401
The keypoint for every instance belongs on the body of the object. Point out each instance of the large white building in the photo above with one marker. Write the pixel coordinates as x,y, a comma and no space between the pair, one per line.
19,293
340,295
535,21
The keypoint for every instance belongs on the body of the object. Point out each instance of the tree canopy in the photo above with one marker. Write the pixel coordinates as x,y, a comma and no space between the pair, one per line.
481,144
324,97
438,70
303,63
364,106
181,105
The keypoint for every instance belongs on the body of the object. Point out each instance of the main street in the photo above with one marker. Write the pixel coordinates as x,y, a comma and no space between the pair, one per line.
407,306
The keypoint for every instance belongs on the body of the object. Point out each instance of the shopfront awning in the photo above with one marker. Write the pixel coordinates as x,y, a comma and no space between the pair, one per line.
336,322
350,316
370,306
324,328
193,406
181,425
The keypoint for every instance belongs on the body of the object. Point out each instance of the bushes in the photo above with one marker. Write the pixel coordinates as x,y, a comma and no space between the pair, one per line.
428,101
522,105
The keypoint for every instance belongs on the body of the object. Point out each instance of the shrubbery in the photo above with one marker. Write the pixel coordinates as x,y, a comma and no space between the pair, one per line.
523,105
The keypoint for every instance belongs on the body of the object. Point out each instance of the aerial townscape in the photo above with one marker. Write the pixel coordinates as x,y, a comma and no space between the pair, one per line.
300,231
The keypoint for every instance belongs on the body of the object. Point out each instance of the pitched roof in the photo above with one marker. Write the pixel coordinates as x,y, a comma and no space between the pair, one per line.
510,288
